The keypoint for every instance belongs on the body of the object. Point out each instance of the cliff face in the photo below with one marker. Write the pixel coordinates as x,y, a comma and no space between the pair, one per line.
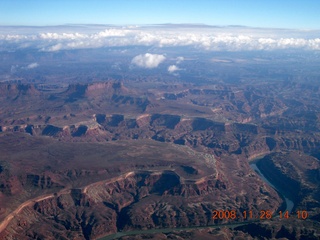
14,91
243,120
136,200
296,175
98,158
85,190
241,139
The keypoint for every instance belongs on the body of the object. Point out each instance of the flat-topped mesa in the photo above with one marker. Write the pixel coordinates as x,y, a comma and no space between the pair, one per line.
14,90
96,89
93,90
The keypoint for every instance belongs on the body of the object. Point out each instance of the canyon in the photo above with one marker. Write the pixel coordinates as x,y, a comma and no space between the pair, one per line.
114,156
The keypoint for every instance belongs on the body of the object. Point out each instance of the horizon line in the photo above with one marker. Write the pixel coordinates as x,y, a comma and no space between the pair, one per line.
158,24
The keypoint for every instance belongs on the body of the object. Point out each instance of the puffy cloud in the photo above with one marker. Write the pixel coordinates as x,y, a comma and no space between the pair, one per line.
180,59
148,60
32,65
203,38
173,68
53,48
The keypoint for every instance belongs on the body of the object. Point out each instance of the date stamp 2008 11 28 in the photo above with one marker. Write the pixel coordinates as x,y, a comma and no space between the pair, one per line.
262,215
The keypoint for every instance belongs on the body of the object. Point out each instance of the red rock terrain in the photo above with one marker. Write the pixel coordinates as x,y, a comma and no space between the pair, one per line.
105,157
150,190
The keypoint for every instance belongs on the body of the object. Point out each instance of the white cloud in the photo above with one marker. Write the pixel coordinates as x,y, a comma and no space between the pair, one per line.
180,59
112,33
59,36
32,65
148,60
53,48
14,68
173,68
203,38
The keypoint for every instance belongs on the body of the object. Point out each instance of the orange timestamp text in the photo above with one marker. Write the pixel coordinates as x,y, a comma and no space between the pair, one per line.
262,215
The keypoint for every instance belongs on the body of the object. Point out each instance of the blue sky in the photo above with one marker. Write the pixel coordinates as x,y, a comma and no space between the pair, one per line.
256,13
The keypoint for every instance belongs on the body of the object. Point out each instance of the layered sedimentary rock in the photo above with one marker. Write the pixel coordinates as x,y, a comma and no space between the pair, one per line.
105,157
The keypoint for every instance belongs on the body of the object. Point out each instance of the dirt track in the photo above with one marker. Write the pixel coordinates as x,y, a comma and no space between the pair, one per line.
8,218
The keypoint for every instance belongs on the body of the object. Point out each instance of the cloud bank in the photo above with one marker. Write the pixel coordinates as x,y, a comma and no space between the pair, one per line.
148,60
206,38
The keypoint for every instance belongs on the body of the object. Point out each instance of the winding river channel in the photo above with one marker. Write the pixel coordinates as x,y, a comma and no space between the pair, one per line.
289,202
289,206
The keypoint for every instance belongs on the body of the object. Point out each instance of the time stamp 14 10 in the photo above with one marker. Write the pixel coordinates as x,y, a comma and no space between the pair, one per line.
262,215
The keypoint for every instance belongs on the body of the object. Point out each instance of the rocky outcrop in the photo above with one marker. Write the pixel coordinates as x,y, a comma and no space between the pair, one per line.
134,200
297,178
51,130
203,137
287,229
14,91
237,138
